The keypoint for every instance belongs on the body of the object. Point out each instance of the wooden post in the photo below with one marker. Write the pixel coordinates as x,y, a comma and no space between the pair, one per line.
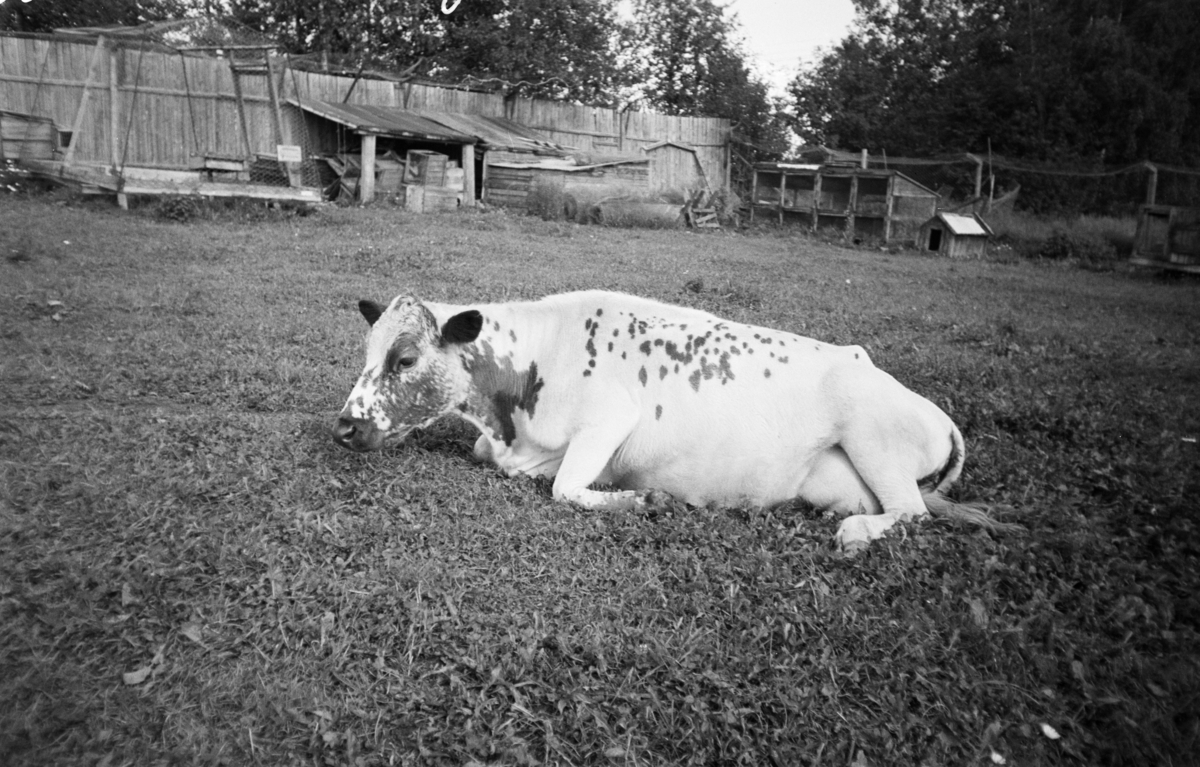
853,203
816,210
282,135
864,160
366,180
114,111
77,126
887,214
978,175
241,108
468,166
1151,183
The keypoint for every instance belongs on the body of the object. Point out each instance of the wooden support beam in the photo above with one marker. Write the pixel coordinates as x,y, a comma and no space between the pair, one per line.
282,134
114,111
366,181
468,166
77,126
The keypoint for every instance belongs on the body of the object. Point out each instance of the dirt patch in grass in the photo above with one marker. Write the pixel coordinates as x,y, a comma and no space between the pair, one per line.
191,571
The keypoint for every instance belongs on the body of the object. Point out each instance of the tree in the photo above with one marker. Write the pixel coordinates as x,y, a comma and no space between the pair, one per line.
687,60
48,15
553,48
1100,81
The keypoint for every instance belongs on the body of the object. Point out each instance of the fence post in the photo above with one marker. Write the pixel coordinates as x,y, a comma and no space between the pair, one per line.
114,109
1151,183
978,174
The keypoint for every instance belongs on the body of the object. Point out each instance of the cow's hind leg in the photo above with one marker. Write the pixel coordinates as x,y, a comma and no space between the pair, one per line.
894,487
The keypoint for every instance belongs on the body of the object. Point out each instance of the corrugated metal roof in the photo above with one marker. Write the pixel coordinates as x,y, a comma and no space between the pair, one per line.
451,127
968,225
497,132
386,121
568,165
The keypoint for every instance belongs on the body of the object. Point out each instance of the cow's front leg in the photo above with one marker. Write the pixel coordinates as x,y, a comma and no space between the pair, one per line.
587,455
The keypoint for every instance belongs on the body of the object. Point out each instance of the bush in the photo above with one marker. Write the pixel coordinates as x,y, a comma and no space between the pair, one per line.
547,200
180,209
1087,248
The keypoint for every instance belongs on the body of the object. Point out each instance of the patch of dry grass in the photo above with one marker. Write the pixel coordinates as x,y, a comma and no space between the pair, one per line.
191,571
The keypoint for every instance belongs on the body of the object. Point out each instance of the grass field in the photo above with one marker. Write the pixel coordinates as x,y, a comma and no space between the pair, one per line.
191,572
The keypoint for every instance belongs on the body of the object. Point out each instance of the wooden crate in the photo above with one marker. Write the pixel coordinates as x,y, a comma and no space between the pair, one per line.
425,168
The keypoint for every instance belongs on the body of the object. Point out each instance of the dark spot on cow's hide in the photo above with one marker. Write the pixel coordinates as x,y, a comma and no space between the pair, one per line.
622,355
587,373
645,347
616,332
783,360
694,380
766,372
673,352
642,375
599,312
856,355
657,412
503,390
658,342
591,348
610,346
662,372
587,324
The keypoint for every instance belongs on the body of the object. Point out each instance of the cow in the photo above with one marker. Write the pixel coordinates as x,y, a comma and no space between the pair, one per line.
640,398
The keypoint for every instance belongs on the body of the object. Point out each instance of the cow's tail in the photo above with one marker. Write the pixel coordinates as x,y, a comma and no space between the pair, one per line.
940,506
971,514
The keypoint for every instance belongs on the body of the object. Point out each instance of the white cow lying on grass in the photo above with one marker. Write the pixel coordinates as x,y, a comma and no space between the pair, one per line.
598,388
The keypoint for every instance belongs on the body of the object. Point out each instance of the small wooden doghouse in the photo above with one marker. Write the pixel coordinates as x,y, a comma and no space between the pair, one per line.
1168,237
861,202
956,235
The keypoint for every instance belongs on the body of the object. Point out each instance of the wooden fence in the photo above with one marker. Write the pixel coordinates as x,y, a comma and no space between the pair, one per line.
154,109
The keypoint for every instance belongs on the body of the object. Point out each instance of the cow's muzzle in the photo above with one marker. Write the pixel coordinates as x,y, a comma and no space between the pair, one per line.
357,434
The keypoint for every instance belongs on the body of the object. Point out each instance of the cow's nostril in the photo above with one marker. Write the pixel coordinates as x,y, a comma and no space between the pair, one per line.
344,430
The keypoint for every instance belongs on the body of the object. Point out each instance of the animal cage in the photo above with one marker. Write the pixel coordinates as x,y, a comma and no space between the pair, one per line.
867,203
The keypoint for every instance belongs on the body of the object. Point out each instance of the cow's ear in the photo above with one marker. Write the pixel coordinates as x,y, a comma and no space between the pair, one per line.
462,328
371,310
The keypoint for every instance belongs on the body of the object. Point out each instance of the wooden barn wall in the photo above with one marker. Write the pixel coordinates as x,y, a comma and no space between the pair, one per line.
174,118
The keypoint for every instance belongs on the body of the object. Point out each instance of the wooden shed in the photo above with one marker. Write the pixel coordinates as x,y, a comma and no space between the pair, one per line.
1168,237
583,180
474,142
956,235
861,202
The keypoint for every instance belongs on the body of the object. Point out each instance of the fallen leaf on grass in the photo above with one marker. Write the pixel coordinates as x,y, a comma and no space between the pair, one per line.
1050,732
137,677
191,631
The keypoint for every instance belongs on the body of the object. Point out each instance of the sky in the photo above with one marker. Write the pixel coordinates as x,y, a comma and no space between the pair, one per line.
779,33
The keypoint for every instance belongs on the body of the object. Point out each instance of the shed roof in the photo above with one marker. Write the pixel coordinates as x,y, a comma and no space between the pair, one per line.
448,127
959,224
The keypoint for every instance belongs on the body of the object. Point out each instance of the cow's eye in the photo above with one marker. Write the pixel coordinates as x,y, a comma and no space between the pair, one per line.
404,363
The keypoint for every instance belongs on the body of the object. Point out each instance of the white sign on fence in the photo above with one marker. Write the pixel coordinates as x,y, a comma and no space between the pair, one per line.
288,153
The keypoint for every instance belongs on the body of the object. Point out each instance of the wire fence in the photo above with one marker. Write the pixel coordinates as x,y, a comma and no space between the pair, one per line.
1051,188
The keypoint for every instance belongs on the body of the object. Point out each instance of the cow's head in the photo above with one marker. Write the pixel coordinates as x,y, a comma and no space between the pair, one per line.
412,374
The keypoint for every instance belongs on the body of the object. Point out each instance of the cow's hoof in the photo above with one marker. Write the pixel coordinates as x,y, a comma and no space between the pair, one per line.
855,533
